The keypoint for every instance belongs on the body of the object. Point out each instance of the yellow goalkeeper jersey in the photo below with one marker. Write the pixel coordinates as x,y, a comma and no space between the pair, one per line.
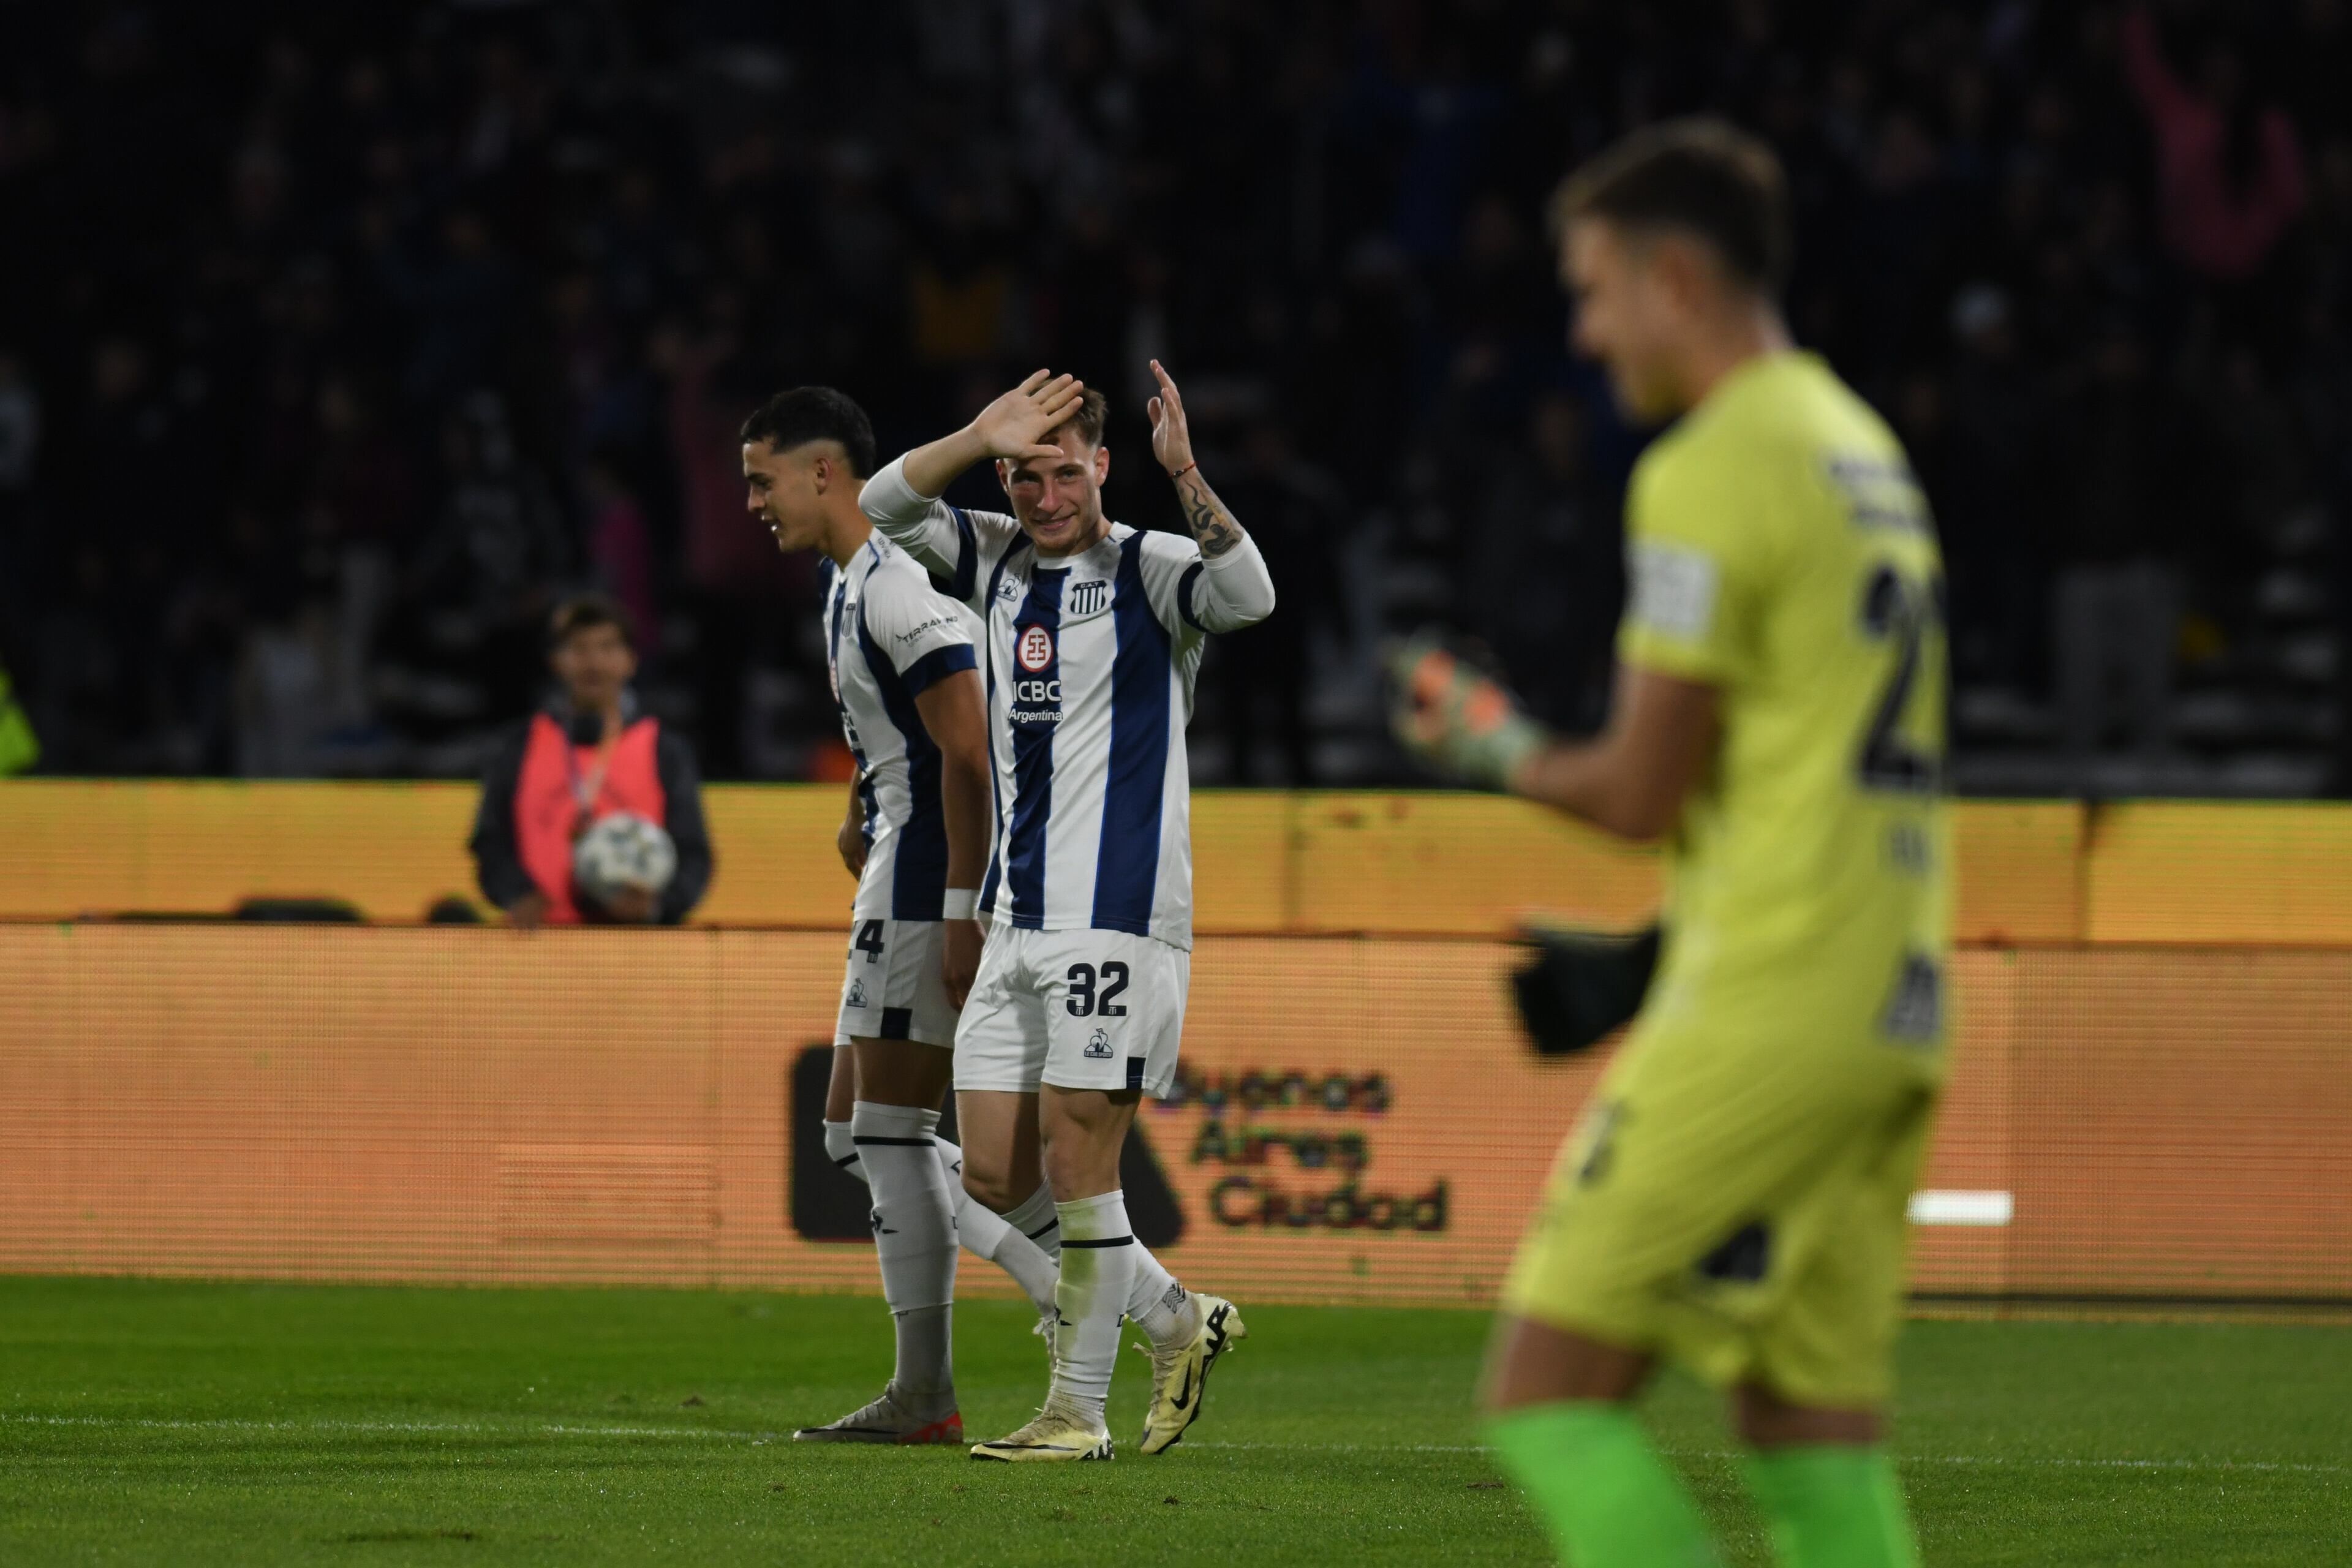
1780,551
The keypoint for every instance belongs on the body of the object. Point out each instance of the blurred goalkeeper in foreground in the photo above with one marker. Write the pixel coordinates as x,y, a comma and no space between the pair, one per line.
1734,1197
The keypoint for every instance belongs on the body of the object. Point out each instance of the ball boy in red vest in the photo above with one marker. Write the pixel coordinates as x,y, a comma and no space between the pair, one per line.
586,755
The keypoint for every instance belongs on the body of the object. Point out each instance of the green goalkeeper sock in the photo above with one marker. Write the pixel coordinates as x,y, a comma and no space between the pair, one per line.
1607,1498
1833,1505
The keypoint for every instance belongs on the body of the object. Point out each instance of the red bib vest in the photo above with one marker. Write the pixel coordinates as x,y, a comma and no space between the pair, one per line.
547,802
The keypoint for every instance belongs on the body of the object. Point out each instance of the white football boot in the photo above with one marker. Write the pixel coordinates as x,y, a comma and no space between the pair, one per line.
1179,1375
1058,1432
886,1421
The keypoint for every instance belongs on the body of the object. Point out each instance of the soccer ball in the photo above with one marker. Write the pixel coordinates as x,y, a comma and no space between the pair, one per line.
623,850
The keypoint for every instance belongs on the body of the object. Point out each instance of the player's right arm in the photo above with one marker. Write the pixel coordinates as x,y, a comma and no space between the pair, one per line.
1699,563
1632,779
902,500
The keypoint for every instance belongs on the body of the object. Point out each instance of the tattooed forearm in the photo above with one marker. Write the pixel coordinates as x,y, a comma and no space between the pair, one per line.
1211,523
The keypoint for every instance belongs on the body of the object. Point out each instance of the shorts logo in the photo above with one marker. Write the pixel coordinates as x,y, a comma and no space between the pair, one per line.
1085,598
1098,1046
856,997
1036,649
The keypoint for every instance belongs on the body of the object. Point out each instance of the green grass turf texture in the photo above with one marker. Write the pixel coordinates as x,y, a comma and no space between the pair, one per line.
152,1422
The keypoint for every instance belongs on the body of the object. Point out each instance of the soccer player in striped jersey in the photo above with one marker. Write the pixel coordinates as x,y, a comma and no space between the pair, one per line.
1094,634
904,677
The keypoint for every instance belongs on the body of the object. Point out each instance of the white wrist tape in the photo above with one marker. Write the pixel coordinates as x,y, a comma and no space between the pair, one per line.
960,904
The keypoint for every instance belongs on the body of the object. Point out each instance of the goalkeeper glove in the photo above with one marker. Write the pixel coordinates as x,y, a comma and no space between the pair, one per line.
1581,987
1455,719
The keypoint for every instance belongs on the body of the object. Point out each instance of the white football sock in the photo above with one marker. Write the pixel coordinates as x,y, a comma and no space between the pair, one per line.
986,1233
915,1242
1097,1268
840,1151
1038,1220
1157,1305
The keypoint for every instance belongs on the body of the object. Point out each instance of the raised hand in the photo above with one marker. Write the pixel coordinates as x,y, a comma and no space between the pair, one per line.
1015,426
1455,718
1171,437
1171,443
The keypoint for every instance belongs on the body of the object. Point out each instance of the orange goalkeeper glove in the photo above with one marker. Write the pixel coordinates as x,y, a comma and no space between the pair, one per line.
1455,719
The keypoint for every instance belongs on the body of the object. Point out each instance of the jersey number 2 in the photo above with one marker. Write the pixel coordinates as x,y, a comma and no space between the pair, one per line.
1896,609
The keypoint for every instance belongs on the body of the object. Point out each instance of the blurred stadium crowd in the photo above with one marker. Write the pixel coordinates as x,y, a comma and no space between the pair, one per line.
337,341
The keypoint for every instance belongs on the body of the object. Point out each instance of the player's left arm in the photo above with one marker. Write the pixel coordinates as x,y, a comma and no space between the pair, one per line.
1233,589
1632,779
1701,562
957,722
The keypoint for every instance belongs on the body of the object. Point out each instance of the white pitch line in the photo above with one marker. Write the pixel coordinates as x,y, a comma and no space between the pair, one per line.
709,1435
382,1428
2051,1460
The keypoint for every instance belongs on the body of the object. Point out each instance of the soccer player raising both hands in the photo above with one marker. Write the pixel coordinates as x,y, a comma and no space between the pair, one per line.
1093,637
1735,1197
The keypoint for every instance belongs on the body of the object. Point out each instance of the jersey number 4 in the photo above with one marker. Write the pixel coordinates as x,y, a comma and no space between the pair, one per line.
1084,1000
1911,617
869,940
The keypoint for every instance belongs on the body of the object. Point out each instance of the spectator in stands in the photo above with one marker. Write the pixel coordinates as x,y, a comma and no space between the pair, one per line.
2228,169
586,755
1993,497
307,243
1266,670
20,446
2229,175
1542,568
2117,592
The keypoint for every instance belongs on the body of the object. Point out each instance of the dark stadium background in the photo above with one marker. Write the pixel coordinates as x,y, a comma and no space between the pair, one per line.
337,341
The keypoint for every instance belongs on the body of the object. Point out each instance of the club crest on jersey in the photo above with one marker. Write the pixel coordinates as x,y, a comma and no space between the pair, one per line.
1034,651
1088,598
1098,1046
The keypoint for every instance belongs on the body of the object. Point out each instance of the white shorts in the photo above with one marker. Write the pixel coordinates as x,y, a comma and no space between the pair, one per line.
1078,1009
894,986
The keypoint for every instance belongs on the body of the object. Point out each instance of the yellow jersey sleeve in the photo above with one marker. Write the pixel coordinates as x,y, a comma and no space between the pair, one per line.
1697,566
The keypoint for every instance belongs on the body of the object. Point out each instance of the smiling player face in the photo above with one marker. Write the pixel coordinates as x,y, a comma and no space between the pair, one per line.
1059,501
783,491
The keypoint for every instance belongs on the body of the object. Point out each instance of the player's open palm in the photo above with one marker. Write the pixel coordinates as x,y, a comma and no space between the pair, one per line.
1015,426
1171,437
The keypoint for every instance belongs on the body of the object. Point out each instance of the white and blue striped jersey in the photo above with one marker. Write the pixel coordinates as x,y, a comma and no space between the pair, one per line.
1089,662
888,638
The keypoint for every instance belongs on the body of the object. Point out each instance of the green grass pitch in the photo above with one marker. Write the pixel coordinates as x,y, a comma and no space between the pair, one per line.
155,1422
